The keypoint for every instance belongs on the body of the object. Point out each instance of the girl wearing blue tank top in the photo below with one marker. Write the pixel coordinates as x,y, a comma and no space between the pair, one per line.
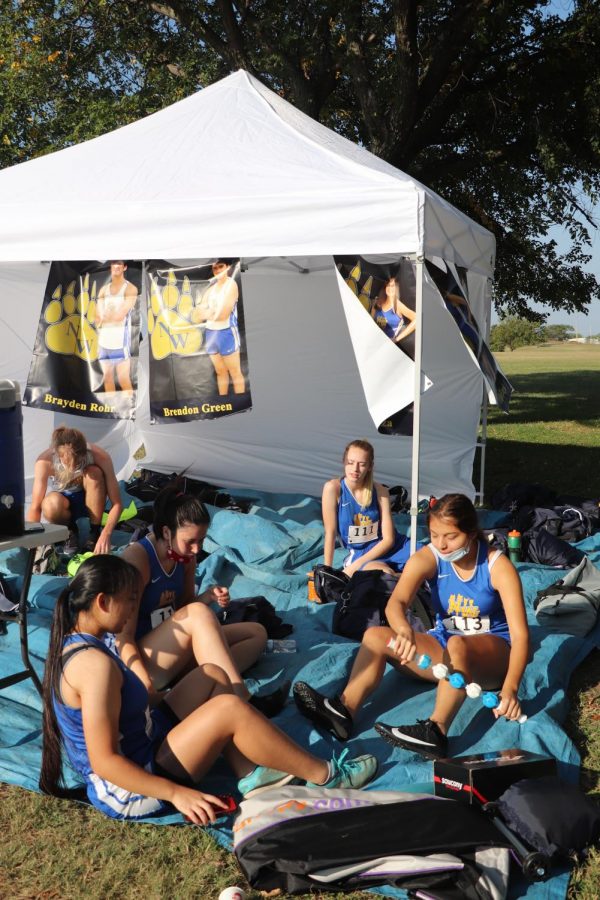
393,316
173,628
480,631
135,762
357,509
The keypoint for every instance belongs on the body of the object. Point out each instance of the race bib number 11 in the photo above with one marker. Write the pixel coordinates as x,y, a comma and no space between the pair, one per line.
160,615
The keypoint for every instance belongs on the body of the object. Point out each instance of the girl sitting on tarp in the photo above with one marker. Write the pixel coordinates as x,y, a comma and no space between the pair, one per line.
480,632
138,763
358,510
169,631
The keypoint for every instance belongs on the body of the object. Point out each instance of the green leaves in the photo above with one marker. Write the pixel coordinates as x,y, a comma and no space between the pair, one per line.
493,103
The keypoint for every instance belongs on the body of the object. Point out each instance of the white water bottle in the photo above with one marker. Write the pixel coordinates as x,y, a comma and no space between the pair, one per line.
281,646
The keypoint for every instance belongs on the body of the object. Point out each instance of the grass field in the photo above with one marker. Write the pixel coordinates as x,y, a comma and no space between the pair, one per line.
552,434
51,850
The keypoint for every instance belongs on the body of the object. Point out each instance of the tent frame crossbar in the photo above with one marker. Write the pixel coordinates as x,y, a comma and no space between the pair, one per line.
303,270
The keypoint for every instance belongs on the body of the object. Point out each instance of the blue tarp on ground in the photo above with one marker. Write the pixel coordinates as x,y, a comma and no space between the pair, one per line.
269,552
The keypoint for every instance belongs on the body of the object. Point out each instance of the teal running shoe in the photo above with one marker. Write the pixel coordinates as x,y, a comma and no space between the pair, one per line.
354,773
261,779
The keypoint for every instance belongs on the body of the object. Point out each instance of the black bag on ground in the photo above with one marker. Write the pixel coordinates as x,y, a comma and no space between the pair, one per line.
330,583
255,609
571,605
363,600
555,818
575,525
497,538
530,519
149,484
547,550
517,494
289,839
362,604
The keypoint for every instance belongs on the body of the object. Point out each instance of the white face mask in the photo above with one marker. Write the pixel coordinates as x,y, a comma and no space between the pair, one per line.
455,555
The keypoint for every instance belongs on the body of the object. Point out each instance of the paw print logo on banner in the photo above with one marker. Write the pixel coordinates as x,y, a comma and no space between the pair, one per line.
170,323
364,294
71,321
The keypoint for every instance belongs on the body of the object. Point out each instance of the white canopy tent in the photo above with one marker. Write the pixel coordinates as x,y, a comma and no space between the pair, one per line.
234,170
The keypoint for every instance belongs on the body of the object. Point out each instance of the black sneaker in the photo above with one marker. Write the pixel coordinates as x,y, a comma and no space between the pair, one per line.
328,712
271,704
71,545
425,737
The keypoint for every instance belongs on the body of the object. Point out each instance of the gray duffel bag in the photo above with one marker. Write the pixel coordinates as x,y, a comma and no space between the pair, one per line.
571,605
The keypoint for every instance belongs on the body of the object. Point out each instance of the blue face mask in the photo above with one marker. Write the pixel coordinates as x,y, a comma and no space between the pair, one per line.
455,555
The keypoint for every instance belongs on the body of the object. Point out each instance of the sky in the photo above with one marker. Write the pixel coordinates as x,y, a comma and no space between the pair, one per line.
583,324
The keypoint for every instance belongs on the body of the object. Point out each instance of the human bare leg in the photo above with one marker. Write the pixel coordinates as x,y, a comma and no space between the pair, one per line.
94,486
221,373
234,368
191,634
124,375
246,640
336,714
108,375
483,659
56,508
226,720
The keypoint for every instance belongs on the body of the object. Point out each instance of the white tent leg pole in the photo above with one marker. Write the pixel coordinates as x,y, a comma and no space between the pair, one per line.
416,436
482,446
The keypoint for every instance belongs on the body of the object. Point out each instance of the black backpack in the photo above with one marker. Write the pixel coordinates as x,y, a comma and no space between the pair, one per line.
330,583
255,609
362,604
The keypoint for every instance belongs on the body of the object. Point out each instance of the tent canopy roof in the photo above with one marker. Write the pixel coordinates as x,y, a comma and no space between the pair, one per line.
234,170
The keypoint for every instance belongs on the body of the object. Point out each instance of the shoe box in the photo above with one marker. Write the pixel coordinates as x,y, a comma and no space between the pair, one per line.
483,777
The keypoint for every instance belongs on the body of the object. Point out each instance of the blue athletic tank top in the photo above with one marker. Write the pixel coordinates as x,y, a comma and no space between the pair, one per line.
389,321
467,606
163,589
359,528
138,737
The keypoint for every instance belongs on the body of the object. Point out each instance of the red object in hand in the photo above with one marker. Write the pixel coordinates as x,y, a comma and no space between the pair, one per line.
231,805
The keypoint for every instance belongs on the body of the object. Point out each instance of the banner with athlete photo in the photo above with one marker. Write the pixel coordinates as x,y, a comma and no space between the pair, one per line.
452,283
86,348
198,358
387,293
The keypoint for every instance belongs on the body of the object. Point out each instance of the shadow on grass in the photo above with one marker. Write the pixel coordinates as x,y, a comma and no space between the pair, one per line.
565,468
553,397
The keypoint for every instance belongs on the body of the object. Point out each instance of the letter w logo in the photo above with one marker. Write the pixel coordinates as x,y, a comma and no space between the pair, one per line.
178,339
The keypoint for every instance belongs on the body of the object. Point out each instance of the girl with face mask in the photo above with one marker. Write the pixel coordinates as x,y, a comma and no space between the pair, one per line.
480,631
172,629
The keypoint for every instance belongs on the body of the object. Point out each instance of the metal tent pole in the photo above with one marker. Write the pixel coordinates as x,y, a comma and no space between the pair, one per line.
416,436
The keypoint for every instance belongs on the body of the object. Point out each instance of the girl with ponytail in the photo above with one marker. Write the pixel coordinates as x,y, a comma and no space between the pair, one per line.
357,508
173,629
136,762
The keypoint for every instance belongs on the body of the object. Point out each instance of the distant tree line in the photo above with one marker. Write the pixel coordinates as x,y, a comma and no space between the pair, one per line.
514,331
